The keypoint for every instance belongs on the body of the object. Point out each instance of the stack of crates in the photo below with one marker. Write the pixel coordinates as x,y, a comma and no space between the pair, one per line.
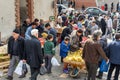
4,60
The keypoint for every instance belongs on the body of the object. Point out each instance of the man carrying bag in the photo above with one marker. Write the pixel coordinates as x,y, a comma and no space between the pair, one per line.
15,51
33,54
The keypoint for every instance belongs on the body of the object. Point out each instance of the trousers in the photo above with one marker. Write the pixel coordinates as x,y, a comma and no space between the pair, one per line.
48,64
92,70
112,67
14,60
34,73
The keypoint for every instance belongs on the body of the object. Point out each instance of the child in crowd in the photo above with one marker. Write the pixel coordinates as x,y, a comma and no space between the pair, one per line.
49,52
43,40
64,48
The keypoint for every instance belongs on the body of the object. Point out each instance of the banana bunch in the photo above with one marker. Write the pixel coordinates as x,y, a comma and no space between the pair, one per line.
75,56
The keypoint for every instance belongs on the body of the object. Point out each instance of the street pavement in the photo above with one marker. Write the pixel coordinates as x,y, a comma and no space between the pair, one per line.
57,73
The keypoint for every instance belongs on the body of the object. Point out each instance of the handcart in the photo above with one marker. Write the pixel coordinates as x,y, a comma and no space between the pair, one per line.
75,68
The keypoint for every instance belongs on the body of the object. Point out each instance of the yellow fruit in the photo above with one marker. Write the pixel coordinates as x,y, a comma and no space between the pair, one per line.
75,56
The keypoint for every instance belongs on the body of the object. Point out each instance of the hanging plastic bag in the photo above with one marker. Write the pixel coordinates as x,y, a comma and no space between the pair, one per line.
55,62
21,68
43,70
18,69
104,66
24,69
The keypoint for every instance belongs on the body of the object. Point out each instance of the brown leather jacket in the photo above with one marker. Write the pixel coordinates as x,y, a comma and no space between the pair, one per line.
92,52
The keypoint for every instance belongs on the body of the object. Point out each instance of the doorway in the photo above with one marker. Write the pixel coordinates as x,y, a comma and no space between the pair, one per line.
24,9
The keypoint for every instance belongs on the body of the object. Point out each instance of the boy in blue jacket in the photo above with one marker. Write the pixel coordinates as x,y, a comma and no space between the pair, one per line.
64,48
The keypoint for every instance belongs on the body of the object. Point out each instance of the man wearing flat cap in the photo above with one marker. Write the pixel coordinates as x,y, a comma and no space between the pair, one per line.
15,51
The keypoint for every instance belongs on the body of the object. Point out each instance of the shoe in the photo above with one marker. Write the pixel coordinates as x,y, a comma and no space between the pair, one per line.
49,72
9,78
99,77
65,71
22,76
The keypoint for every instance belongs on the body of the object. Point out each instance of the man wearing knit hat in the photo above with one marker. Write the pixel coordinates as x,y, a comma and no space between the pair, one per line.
15,51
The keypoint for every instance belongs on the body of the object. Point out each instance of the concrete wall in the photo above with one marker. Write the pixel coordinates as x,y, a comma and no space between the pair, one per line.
7,17
43,9
102,2
23,10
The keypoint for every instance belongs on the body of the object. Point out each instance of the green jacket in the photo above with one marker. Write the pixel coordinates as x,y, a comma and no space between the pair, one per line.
49,48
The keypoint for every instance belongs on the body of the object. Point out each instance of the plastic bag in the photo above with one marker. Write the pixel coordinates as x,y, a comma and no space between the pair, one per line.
24,69
104,66
21,68
55,62
43,70
18,69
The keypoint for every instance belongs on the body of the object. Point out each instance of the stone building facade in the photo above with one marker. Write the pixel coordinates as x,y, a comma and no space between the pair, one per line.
14,12
102,2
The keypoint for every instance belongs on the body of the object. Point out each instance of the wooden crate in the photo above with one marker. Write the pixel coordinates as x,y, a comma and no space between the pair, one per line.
4,64
4,61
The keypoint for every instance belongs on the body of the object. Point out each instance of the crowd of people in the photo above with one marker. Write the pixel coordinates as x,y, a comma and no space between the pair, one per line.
35,43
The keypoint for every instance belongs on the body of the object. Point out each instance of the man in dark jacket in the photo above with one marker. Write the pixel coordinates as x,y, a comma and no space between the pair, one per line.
52,31
114,57
67,31
103,43
15,51
106,7
40,27
33,54
117,7
64,19
24,27
112,6
103,26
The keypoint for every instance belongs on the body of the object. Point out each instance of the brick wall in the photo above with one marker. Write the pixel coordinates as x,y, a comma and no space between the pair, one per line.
86,3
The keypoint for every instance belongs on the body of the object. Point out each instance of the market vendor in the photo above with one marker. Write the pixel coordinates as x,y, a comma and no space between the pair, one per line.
75,43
